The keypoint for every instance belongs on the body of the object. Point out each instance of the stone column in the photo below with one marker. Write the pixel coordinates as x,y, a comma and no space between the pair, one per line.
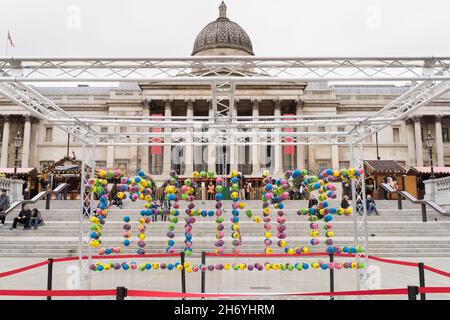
300,148
439,141
233,146
211,146
256,168
411,144
145,150
334,153
26,141
418,138
278,165
5,143
188,154
167,153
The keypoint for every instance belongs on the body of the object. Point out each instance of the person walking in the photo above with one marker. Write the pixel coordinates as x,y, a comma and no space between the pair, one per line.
312,203
344,203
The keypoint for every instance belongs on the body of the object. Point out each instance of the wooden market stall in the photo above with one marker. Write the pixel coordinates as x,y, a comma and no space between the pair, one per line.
424,173
28,175
379,171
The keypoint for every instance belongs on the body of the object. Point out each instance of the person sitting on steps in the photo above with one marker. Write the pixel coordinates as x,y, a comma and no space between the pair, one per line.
4,205
36,218
371,206
24,218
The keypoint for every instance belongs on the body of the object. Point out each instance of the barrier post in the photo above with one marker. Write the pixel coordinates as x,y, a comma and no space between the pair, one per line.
121,293
47,201
399,200
183,275
422,280
424,212
65,192
331,276
412,292
203,273
49,276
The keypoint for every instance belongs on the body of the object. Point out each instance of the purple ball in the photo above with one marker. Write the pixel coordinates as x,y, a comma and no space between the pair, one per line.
218,205
281,228
117,266
219,243
281,235
162,266
141,243
250,267
280,213
170,234
329,242
211,267
191,206
265,205
347,265
219,266
236,243
260,268
127,226
298,251
220,227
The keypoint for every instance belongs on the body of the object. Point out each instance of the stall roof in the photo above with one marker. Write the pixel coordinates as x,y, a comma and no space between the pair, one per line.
384,167
21,171
427,170
69,165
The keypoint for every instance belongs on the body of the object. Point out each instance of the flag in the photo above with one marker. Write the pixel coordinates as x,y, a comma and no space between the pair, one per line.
156,149
288,149
11,43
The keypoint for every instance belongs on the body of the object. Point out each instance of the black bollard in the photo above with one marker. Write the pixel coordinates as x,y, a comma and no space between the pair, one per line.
49,276
121,293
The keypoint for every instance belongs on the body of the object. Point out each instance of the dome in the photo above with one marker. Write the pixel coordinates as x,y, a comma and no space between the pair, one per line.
223,34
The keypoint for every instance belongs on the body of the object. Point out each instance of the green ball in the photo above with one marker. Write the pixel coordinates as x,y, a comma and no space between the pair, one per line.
249,213
219,189
361,265
236,267
171,227
187,182
290,267
203,174
211,174
299,266
187,253
219,219
141,267
184,196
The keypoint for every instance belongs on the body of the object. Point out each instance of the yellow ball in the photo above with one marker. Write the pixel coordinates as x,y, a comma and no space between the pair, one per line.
141,236
227,266
186,264
314,233
132,182
147,205
265,173
94,219
266,210
195,174
329,234
242,266
241,205
267,235
268,250
268,266
291,251
354,265
235,235
348,210
119,195
141,220
275,205
107,266
234,173
141,196
305,250
188,269
256,219
236,227
94,243
336,173
179,267
234,195
101,173
315,265
148,198
283,243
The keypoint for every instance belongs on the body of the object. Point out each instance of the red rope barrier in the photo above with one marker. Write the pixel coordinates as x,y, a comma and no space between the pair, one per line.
58,293
440,272
434,290
19,270
398,262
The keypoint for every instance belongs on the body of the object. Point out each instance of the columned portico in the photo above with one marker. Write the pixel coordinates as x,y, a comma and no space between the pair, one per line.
411,145
211,146
418,138
5,143
26,141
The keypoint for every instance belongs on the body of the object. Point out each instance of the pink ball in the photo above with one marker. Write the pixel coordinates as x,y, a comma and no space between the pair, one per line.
220,234
188,229
286,195
266,219
337,265
195,268
269,195
90,181
283,181
267,242
281,220
267,226
184,189
218,213
126,234
133,266
171,250
314,226
219,180
235,205
117,173
147,220
220,250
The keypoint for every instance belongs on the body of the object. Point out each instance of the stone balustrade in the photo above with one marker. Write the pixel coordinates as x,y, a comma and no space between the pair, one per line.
14,188
438,190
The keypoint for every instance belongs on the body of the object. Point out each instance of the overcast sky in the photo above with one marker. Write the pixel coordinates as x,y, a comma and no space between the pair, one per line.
157,28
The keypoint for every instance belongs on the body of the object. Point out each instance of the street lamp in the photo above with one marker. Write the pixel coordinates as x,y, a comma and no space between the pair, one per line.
429,140
17,143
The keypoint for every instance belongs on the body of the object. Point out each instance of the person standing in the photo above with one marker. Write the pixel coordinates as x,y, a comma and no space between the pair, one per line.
211,191
4,205
312,203
344,203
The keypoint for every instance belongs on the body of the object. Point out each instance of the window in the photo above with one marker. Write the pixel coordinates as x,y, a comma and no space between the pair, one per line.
321,129
121,164
104,129
100,164
396,135
45,164
369,139
323,165
445,137
48,134
344,165
341,129
123,129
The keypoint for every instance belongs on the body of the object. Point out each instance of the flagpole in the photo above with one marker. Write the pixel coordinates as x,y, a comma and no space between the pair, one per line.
6,50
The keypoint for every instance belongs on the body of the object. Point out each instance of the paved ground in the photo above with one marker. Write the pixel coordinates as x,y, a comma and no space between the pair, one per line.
385,276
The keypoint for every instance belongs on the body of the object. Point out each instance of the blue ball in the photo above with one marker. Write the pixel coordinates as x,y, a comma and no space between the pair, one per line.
235,219
324,204
211,213
305,266
330,250
352,250
108,251
295,173
94,235
141,173
188,236
126,242
311,210
204,213
328,218
269,187
148,266
235,180
170,266
324,266
345,249
100,268
171,243
126,219
235,212
280,206
219,196
125,266
143,212
333,210
137,179
172,197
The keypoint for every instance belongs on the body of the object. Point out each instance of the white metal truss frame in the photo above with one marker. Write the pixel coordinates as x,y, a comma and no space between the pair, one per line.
223,68
225,74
